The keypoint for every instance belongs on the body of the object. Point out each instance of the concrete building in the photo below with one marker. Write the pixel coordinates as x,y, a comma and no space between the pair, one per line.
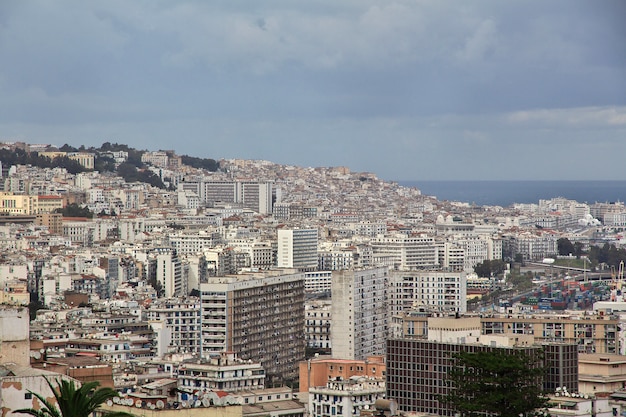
317,325
345,398
434,290
255,195
359,298
318,371
297,248
260,317
591,333
221,371
406,252
601,373
317,281
178,324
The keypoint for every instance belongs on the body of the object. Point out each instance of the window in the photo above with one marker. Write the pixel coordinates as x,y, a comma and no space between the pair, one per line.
28,396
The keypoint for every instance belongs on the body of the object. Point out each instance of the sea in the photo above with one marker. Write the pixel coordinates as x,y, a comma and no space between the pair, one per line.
506,193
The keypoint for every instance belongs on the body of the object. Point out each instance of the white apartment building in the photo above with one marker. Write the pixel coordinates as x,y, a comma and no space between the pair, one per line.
255,195
335,259
406,252
181,318
317,325
346,398
297,248
193,243
359,299
317,281
166,268
222,371
157,158
442,291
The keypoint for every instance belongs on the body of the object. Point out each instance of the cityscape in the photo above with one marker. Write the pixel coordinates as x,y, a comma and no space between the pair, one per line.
251,288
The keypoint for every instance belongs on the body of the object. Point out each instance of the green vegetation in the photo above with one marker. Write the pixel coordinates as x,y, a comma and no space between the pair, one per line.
130,173
607,254
21,157
488,269
72,401
192,161
502,383
74,210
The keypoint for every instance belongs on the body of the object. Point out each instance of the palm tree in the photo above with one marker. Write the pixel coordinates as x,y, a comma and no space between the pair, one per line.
73,402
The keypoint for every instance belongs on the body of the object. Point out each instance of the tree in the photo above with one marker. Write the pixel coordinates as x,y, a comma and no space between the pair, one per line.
72,401
502,382
565,246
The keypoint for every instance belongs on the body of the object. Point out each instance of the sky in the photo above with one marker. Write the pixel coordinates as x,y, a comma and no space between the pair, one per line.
408,90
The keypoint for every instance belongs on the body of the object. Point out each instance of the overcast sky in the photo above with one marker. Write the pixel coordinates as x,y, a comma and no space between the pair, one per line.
409,90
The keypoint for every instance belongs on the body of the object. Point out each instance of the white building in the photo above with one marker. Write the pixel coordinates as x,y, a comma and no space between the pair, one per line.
345,398
220,371
297,248
318,315
442,291
179,322
359,299
406,252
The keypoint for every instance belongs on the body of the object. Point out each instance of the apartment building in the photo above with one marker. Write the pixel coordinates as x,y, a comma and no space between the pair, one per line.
359,299
406,252
297,248
318,371
435,290
179,324
345,398
255,195
317,325
222,371
260,317
591,333
417,368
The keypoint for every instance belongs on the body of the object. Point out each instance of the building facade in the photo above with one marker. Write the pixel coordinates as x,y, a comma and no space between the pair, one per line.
359,299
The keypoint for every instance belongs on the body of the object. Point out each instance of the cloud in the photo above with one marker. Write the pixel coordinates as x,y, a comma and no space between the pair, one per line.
571,118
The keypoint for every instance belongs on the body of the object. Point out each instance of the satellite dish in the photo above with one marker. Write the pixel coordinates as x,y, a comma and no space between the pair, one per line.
151,406
109,403
206,402
197,403
160,404
138,403
116,400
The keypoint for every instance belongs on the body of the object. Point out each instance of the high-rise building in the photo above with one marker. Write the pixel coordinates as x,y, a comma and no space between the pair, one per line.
406,252
359,309
297,248
435,290
255,195
260,317
177,323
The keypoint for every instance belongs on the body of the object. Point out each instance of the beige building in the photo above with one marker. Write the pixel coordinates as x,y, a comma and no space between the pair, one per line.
17,204
593,333
601,373
48,203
